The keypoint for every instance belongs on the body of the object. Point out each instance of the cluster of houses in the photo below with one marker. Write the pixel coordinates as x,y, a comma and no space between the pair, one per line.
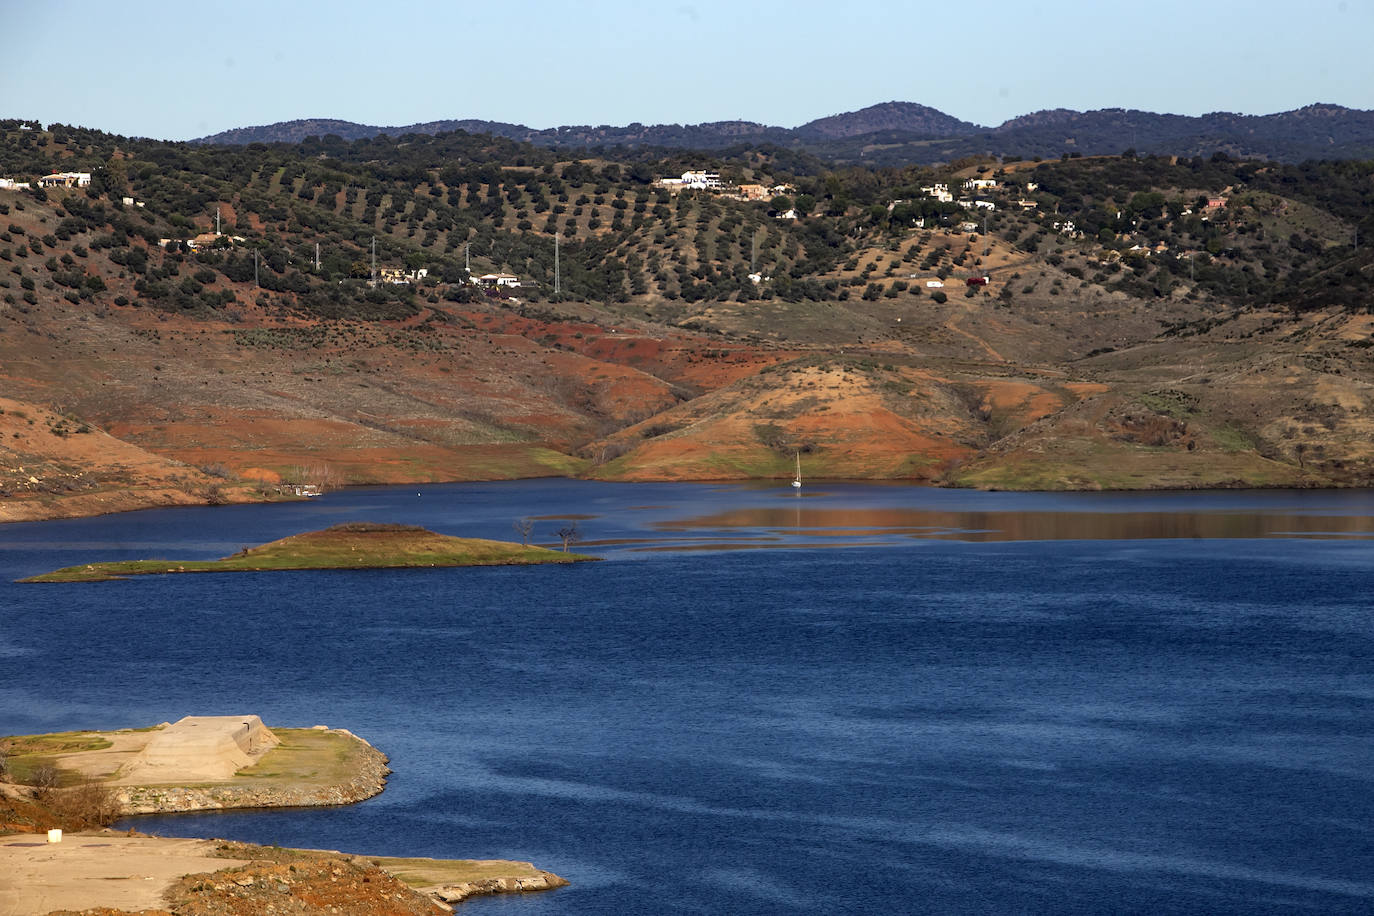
701,180
399,276
942,193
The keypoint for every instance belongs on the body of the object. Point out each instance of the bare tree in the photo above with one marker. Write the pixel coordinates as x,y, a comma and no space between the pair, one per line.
87,804
44,780
524,527
569,534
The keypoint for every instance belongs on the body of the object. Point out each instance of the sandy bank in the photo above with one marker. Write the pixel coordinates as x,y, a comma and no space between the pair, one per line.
216,878
102,869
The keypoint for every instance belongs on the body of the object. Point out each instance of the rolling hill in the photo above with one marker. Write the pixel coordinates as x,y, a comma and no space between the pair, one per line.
905,133
1146,321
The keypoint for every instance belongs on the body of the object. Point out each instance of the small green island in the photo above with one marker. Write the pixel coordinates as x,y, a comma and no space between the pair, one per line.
355,545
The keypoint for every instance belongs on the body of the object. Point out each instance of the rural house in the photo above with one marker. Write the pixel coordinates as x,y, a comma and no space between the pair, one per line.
65,180
494,281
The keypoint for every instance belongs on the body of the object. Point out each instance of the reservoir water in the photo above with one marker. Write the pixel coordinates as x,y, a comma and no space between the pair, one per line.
852,699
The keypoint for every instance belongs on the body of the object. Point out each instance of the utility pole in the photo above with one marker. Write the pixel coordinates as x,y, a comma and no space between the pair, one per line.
557,277
374,260
216,222
467,257
317,257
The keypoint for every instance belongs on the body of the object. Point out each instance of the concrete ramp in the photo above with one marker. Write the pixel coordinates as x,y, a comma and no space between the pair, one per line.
199,749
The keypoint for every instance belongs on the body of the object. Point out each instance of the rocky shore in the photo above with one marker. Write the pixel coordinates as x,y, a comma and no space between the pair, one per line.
369,773
457,893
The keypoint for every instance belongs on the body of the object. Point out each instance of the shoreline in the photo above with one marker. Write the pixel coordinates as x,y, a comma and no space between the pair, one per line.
57,513
203,764
368,781
127,873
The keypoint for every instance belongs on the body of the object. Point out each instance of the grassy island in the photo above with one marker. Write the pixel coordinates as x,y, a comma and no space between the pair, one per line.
357,545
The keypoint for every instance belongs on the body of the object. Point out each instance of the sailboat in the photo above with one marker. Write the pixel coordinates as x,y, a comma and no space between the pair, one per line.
796,482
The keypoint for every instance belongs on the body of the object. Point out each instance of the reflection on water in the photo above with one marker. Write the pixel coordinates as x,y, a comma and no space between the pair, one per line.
1006,525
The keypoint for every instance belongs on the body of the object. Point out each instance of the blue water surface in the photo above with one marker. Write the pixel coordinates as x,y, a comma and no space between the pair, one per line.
893,724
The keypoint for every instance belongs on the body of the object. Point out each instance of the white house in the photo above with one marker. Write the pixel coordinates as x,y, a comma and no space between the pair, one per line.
399,276
697,180
935,284
940,192
985,204
65,180
9,184
980,184
496,280
701,180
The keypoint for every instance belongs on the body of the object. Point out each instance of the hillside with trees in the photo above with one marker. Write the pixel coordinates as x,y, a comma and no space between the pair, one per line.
1115,321
905,133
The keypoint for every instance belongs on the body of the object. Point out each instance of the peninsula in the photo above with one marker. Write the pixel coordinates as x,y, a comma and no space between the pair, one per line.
355,545
77,781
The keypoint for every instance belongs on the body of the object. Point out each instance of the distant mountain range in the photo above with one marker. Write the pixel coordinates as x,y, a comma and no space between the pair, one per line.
897,133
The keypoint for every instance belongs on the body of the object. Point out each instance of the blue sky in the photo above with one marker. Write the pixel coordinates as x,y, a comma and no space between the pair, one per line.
179,71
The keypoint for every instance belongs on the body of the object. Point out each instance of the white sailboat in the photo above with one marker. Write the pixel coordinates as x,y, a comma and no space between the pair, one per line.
796,482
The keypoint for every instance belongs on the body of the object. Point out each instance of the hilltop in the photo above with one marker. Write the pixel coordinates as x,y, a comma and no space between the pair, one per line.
906,133
1078,322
